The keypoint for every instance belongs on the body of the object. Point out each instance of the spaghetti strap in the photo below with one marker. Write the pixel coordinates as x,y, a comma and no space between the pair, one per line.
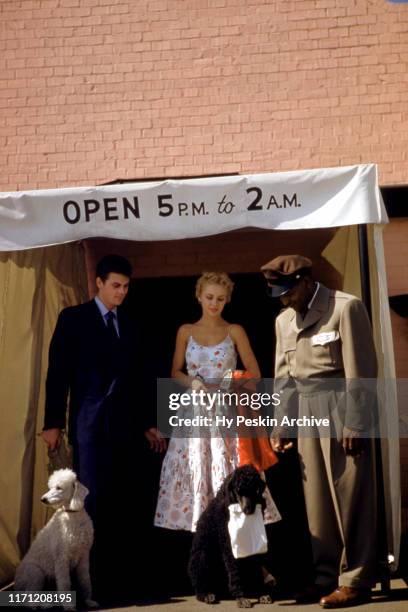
190,332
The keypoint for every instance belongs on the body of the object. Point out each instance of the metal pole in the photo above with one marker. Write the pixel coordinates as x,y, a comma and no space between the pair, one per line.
364,268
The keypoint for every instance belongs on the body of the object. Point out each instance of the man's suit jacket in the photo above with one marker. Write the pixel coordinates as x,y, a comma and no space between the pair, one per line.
334,340
84,364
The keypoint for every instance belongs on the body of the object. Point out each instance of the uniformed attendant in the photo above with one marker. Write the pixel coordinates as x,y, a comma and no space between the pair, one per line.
324,347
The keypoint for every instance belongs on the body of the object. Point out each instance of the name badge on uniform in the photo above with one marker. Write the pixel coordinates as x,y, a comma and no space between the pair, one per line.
324,338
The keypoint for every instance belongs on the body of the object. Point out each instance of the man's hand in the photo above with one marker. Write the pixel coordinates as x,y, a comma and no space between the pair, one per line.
52,437
156,441
353,444
280,444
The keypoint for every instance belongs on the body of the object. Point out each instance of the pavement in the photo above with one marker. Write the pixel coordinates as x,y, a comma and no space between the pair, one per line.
396,602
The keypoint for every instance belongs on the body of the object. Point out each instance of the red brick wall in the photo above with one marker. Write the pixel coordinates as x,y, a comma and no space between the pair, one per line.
241,251
95,90
396,254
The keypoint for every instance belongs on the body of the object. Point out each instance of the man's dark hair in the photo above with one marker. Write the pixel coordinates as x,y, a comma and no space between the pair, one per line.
113,263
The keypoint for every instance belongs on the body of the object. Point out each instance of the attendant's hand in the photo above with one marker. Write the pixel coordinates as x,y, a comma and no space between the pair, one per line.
52,437
280,444
353,443
156,441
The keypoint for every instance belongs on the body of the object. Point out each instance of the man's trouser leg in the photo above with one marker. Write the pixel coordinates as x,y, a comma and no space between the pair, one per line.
321,512
91,464
340,502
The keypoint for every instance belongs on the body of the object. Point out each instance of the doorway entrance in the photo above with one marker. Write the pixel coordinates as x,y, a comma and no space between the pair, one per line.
162,304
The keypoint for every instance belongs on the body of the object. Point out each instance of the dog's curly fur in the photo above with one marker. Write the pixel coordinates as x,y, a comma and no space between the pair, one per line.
63,544
212,540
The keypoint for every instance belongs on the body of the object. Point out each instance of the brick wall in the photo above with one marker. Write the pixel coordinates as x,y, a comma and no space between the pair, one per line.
95,90
240,251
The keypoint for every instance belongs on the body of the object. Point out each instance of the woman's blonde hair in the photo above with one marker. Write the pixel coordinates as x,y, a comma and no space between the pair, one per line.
214,278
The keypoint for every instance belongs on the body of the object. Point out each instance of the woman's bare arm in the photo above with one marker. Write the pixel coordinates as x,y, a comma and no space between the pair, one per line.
245,351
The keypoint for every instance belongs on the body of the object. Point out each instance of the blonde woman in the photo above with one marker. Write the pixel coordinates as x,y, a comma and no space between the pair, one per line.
194,468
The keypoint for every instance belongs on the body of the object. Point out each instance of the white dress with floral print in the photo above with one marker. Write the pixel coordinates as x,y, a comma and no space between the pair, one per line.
194,468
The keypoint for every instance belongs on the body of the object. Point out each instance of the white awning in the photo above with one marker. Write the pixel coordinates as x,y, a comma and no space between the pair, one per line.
174,209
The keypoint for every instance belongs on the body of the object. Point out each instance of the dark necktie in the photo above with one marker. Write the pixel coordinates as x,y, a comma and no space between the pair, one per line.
111,326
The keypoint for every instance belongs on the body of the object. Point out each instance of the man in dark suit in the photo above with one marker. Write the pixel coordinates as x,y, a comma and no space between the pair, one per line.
97,358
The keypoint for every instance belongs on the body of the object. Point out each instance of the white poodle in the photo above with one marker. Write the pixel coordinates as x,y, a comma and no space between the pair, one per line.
63,544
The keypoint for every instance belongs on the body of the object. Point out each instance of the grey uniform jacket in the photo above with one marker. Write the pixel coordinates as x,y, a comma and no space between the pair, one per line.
334,340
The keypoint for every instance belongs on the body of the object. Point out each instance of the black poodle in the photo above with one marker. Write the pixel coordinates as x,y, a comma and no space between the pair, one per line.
212,541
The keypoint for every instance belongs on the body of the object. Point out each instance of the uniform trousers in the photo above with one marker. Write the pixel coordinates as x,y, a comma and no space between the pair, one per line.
340,497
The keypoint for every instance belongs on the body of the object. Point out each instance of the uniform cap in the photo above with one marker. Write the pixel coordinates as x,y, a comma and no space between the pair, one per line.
284,272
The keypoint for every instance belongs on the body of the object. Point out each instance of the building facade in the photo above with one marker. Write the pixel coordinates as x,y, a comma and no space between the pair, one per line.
95,91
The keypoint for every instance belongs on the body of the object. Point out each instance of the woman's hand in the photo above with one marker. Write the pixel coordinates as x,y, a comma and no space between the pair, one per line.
198,385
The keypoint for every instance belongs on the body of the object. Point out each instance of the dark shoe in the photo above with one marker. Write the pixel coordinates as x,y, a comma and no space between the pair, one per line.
312,593
243,602
208,598
346,596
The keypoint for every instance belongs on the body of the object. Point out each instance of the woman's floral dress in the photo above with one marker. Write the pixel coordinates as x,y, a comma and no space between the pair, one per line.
194,468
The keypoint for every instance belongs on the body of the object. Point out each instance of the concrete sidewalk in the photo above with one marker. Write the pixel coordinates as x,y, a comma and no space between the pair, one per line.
398,602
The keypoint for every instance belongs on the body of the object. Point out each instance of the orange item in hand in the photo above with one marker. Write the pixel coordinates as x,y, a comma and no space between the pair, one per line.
257,452
255,449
